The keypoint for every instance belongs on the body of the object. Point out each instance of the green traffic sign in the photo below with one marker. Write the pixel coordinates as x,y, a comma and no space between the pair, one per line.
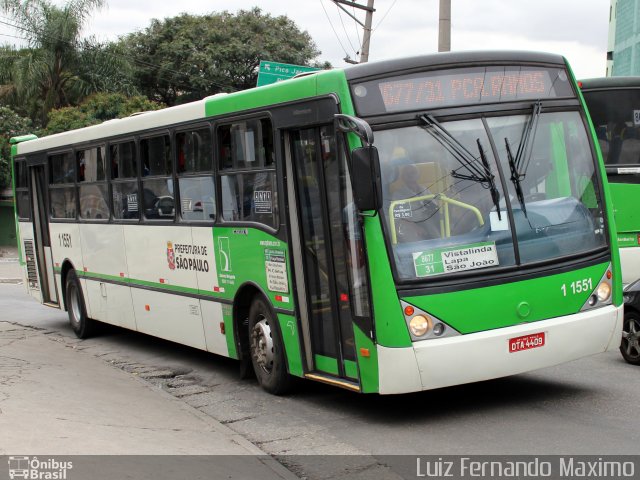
272,72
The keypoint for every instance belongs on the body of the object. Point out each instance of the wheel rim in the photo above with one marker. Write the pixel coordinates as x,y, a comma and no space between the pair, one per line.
262,344
74,304
631,337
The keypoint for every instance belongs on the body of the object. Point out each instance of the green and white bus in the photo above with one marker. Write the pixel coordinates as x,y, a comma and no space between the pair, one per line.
389,227
614,107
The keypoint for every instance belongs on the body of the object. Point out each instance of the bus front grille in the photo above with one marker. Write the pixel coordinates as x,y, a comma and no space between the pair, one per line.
32,271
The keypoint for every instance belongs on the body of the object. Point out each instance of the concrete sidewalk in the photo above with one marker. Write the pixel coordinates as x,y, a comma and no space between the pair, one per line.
55,400
10,269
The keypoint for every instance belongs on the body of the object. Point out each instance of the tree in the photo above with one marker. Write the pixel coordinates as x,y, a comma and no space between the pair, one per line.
96,109
59,68
11,125
188,57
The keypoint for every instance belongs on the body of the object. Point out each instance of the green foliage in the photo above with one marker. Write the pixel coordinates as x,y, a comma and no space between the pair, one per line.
188,57
11,125
96,109
59,68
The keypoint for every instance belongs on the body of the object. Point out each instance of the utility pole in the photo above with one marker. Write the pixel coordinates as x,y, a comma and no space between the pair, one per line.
444,26
366,38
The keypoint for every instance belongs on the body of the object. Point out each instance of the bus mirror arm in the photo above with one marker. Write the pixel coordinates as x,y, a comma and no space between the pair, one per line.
350,124
365,179
365,165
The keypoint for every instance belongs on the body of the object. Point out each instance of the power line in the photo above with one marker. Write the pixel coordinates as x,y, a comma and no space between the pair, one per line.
385,14
334,30
356,24
12,36
346,34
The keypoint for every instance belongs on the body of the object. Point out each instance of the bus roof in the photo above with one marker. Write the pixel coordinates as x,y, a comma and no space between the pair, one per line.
610,82
321,82
201,109
450,59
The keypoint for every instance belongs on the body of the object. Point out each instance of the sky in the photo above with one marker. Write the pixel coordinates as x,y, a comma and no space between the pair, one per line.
577,29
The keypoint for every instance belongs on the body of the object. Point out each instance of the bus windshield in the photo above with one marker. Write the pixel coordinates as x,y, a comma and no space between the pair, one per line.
616,118
446,208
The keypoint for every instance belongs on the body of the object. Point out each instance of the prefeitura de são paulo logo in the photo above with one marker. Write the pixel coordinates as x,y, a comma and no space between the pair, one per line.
171,256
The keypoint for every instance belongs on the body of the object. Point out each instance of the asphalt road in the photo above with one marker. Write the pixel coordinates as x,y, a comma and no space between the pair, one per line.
587,407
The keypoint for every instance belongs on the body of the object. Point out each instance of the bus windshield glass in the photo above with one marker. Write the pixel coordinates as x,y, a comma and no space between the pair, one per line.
616,118
446,207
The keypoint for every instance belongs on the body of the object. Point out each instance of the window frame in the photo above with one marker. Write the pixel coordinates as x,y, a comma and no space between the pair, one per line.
106,182
114,181
168,132
22,189
228,172
59,186
212,172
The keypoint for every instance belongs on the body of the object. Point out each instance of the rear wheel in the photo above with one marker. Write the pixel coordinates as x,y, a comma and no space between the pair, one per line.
82,326
630,348
267,350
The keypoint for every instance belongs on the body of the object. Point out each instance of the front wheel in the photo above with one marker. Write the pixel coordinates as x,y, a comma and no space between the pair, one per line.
82,326
267,350
629,347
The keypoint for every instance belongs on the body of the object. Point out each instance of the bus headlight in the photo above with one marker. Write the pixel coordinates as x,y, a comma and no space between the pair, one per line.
423,325
604,291
420,325
602,294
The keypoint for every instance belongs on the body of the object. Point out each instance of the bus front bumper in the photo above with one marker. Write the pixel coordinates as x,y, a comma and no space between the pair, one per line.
485,355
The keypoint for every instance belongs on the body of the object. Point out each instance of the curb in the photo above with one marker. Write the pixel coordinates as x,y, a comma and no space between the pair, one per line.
221,429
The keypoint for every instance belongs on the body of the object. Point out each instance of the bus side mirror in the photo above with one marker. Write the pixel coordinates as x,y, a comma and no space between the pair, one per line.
365,178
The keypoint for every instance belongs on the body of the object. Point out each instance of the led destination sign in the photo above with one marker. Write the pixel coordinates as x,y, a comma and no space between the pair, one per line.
462,86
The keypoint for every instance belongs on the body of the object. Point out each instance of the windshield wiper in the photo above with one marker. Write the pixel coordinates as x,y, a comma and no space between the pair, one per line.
526,143
477,170
516,177
495,194
523,155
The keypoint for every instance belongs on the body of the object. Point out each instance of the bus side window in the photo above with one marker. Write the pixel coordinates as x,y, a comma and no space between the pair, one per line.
157,190
247,164
124,180
62,192
194,155
93,192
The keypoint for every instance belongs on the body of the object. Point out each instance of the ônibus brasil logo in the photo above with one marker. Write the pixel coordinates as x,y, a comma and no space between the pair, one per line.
33,468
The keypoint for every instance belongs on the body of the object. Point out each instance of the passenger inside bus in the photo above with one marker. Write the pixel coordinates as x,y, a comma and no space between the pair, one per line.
416,218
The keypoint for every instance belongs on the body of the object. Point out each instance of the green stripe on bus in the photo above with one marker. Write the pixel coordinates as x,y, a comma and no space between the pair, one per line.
498,306
351,369
291,339
390,326
326,364
367,365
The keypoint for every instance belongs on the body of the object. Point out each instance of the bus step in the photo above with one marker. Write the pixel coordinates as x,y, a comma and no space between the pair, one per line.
331,380
51,304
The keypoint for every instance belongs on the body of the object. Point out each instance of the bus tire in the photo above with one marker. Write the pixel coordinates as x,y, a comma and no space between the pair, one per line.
81,325
267,349
630,345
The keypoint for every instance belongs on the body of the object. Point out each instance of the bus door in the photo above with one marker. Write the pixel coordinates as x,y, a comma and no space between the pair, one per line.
328,256
42,247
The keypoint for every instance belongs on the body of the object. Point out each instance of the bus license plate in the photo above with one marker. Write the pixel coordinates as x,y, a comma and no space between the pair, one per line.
526,342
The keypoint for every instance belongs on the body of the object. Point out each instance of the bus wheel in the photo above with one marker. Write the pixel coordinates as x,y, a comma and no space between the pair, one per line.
82,326
267,352
630,347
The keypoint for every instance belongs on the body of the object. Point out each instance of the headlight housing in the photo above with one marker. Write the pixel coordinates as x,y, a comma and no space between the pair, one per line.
602,294
423,325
